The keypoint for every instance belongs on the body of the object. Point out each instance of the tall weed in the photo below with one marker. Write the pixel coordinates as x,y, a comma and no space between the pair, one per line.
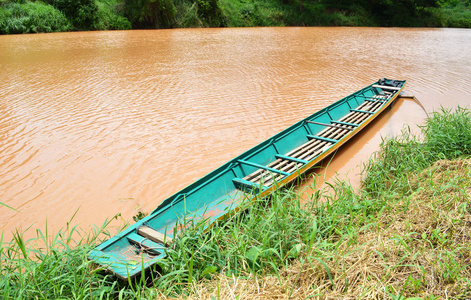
260,238
54,267
446,135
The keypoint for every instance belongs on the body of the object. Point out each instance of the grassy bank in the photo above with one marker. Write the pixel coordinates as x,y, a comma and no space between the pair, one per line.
25,16
405,234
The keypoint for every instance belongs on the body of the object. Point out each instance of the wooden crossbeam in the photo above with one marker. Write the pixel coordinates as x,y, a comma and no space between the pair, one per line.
291,158
243,184
362,111
145,243
375,97
322,138
346,123
154,235
262,167
329,125
379,100
385,87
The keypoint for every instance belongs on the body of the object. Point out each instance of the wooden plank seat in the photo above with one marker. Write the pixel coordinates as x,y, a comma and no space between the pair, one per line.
386,87
262,167
328,125
145,244
346,124
322,138
285,164
362,111
248,186
291,161
291,158
153,235
375,100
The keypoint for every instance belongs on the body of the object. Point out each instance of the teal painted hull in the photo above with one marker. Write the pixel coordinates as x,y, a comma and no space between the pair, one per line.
262,169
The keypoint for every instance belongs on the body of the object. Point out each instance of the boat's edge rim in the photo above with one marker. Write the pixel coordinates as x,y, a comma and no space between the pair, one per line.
246,153
162,206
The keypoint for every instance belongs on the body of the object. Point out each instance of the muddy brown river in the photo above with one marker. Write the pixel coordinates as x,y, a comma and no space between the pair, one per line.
98,123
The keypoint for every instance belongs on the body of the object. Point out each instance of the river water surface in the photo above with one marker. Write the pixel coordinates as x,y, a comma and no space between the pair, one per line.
100,123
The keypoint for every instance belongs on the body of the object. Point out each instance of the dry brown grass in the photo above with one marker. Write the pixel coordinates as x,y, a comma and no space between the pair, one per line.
418,248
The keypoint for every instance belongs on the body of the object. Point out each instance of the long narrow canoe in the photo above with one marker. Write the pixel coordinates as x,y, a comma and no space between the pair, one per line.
261,170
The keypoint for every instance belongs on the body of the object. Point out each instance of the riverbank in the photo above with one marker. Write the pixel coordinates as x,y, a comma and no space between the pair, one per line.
21,16
405,233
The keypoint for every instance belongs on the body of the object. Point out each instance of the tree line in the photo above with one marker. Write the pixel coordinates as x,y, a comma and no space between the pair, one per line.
25,16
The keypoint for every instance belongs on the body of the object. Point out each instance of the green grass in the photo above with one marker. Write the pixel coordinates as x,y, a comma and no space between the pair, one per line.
405,234
268,234
446,135
52,267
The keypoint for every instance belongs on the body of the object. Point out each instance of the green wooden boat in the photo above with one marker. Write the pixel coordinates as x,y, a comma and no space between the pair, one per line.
261,170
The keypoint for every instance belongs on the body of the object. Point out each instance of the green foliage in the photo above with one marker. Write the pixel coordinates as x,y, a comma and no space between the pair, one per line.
127,14
386,170
447,135
210,13
53,267
31,17
449,3
83,14
400,13
263,236
139,216
110,16
458,16
187,14
288,13
150,13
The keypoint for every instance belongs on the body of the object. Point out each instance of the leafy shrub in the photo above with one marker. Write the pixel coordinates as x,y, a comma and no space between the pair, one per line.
113,22
82,13
110,16
150,13
187,14
210,12
448,3
31,17
448,16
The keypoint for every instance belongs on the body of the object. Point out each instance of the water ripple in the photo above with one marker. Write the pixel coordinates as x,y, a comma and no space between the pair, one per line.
89,119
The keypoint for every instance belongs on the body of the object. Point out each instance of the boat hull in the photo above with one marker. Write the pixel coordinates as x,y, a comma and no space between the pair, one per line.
257,172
